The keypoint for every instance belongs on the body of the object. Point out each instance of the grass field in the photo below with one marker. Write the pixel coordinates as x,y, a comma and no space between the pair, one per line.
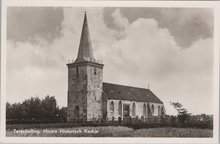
109,131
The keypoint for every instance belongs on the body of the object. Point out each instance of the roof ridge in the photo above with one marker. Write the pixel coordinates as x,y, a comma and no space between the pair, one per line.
127,86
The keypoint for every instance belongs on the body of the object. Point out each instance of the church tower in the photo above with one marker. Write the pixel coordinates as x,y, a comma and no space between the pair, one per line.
85,76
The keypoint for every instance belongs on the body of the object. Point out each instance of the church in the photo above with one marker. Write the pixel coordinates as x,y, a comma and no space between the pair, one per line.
91,99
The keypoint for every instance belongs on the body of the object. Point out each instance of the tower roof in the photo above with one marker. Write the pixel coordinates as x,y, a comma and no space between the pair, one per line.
85,52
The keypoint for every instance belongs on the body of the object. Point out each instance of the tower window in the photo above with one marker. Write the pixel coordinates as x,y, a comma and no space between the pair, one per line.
77,70
95,71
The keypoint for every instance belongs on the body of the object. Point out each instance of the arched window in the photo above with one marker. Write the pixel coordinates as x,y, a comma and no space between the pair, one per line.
133,109
152,107
144,110
162,112
76,112
158,110
120,108
112,106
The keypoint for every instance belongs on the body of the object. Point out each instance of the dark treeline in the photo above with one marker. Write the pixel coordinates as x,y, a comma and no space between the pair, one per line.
35,109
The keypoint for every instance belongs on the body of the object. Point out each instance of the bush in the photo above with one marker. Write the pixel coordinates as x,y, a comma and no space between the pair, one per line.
172,122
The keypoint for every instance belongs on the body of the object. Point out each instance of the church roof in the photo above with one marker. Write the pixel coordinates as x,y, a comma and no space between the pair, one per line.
85,52
121,92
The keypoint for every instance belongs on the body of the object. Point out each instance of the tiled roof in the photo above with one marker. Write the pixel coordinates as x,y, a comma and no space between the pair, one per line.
121,92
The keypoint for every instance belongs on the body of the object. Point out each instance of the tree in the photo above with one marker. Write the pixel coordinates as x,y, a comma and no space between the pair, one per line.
62,113
8,111
14,111
183,114
33,108
49,105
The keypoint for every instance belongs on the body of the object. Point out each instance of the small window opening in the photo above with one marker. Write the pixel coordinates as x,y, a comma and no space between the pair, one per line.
77,70
95,71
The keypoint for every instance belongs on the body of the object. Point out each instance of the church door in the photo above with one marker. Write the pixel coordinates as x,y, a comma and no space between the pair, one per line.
126,111
76,112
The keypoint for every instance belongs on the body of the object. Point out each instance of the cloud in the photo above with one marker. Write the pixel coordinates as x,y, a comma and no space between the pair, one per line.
34,70
24,23
185,24
138,53
119,20
189,25
146,47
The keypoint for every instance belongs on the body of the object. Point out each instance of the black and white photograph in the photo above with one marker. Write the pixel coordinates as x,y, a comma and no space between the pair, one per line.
110,72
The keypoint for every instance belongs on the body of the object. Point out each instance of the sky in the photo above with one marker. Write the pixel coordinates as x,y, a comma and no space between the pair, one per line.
170,49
